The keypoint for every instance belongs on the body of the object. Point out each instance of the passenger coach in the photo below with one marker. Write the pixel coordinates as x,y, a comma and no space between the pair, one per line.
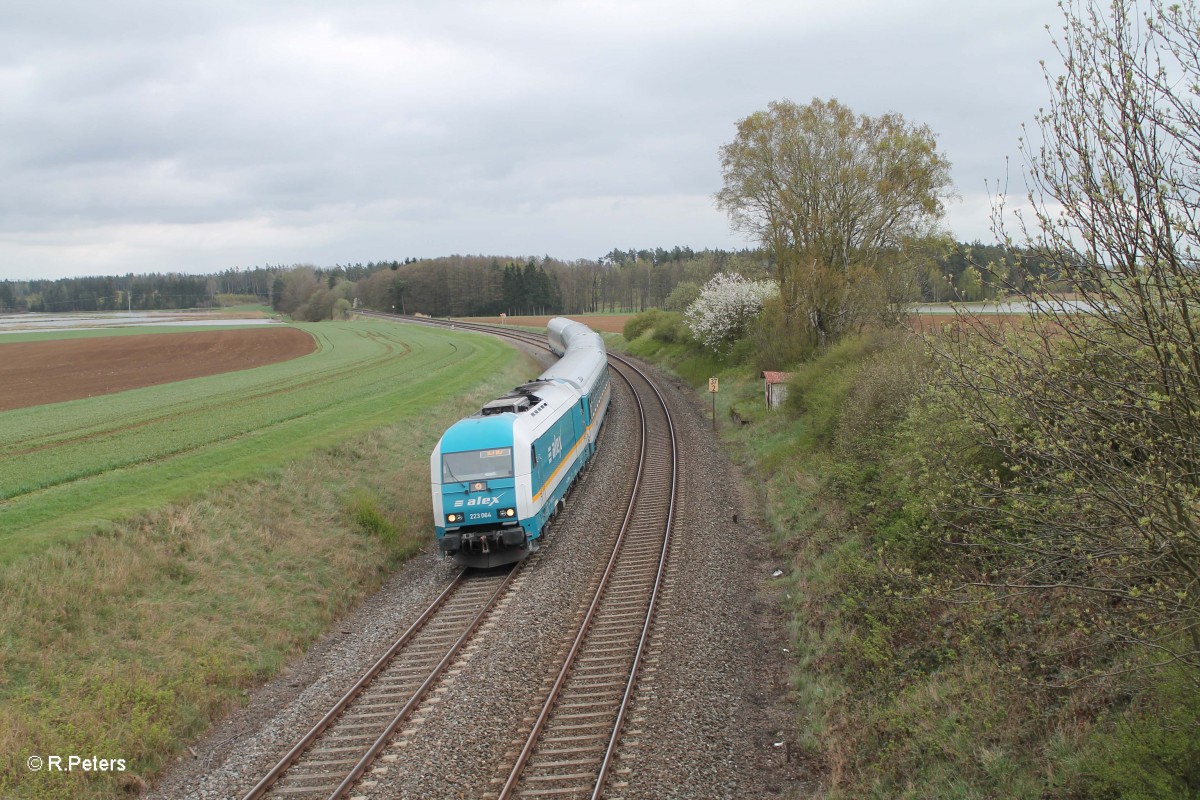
500,474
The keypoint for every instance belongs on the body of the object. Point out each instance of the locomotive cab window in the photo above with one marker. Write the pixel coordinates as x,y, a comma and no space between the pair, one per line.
473,465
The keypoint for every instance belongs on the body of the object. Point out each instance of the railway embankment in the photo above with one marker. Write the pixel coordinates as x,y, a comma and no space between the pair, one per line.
907,680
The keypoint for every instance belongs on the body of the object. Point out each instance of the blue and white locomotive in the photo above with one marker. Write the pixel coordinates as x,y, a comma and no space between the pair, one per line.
500,474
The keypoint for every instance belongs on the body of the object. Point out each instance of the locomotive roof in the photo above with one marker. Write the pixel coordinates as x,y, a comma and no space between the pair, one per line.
482,430
522,398
478,433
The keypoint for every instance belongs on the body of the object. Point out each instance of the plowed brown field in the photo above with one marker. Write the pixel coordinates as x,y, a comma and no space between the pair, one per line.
35,373
935,323
608,323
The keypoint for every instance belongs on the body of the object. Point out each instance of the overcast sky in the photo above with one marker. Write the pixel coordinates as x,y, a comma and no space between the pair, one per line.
198,136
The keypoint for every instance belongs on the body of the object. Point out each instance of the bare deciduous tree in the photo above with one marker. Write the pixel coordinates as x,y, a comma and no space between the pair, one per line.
1094,409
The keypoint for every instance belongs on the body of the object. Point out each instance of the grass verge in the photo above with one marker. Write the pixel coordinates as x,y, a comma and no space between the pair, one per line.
903,690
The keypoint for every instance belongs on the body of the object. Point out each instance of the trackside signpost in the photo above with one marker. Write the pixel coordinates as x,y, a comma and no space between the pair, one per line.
712,389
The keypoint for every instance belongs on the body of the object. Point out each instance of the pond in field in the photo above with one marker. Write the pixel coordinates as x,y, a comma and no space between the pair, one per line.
40,323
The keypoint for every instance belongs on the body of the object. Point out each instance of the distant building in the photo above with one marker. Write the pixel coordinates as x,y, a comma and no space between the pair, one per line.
775,387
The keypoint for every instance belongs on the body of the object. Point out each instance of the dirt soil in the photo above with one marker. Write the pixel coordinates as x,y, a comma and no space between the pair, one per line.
934,323
608,323
36,373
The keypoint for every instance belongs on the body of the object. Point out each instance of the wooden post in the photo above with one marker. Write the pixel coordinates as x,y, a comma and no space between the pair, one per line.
712,389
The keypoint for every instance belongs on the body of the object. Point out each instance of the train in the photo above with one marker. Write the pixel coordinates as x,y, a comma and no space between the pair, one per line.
499,475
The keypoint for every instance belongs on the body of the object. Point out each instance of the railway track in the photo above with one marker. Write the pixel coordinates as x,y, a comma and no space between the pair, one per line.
339,749
573,742
574,737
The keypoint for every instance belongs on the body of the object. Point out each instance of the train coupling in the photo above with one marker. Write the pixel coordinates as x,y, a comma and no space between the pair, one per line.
483,541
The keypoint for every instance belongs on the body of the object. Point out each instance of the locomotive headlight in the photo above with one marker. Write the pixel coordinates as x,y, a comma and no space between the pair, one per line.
451,518
507,513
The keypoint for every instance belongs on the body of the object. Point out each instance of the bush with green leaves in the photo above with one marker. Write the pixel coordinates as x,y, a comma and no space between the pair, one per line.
638,324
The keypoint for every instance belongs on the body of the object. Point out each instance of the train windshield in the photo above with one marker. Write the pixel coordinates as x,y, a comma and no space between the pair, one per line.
474,465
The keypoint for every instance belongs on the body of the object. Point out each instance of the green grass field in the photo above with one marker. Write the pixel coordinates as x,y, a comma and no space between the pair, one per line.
163,551
66,467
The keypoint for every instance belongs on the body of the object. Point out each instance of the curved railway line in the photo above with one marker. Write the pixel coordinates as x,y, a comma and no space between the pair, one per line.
572,745
337,751
573,734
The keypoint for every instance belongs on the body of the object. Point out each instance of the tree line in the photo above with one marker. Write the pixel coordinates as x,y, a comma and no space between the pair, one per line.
622,280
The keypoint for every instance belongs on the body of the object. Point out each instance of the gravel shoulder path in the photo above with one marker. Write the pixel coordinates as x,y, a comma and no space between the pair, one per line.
713,719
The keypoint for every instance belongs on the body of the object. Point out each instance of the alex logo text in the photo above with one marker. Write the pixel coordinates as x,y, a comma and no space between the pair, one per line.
477,501
554,449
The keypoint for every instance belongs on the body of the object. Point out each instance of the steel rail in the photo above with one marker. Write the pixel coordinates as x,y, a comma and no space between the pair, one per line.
643,640
382,740
360,689
302,745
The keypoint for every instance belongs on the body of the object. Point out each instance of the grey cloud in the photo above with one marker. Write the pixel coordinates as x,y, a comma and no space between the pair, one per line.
367,130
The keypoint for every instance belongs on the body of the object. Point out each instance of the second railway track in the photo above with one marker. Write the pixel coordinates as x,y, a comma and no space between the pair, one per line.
342,745
575,737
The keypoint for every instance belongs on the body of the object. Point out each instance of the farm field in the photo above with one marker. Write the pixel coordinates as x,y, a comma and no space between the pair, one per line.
605,323
68,467
55,370
118,322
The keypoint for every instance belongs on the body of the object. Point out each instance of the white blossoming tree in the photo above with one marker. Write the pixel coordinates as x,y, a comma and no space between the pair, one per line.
728,303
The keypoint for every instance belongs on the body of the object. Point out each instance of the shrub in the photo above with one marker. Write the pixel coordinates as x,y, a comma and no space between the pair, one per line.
1153,751
638,324
727,305
364,510
670,328
821,386
683,295
778,344
879,397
